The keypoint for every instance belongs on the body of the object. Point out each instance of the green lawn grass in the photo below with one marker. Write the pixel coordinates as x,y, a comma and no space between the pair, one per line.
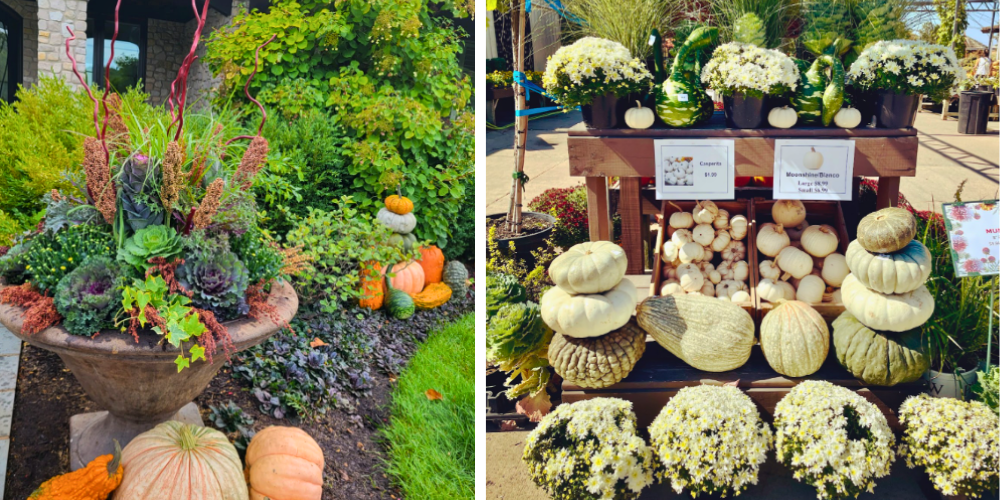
432,444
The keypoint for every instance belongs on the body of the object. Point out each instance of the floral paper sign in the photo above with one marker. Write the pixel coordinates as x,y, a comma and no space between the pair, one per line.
974,233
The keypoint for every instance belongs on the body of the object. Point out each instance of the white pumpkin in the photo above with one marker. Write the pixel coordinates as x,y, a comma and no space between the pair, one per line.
703,234
681,220
715,277
729,287
671,287
820,240
668,271
738,226
721,241
735,250
639,117
589,315
590,267
768,289
669,252
768,270
704,212
847,117
812,160
835,269
788,213
690,252
682,236
708,289
402,224
740,297
783,117
899,272
690,277
771,239
810,289
889,312
721,221
741,271
793,262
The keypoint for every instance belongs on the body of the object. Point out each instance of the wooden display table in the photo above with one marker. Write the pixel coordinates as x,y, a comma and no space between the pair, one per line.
628,154
659,375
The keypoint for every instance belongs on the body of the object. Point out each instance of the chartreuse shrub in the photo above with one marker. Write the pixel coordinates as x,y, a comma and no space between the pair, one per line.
391,98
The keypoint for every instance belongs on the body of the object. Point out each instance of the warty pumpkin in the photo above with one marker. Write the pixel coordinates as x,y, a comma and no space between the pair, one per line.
878,358
887,230
284,463
408,277
708,334
432,261
372,287
795,339
399,204
588,315
456,276
178,461
892,312
600,361
94,482
899,272
434,295
589,267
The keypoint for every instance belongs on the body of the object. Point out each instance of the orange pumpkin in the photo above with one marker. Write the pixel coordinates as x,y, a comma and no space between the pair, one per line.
178,461
94,482
284,463
372,289
399,204
409,277
432,260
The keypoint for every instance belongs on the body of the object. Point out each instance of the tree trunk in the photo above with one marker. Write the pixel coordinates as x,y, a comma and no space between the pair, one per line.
520,122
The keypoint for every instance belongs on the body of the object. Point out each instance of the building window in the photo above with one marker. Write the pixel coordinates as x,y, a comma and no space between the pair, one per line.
10,52
129,64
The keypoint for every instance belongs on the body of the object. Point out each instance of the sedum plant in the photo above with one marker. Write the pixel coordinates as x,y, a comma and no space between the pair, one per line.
88,297
956,442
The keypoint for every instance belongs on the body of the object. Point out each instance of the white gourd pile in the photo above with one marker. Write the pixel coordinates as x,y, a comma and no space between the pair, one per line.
705,254
799,261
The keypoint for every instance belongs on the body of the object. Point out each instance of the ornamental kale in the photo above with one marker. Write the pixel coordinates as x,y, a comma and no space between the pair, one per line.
149,242
52,256
502,289
88,297
218,281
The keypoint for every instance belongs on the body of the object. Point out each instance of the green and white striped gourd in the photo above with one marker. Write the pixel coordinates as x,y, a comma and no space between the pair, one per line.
681,101
818,98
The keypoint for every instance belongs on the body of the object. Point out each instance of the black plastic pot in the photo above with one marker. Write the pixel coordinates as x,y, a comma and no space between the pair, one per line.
745,112
602,112
524,245
973,111
895,110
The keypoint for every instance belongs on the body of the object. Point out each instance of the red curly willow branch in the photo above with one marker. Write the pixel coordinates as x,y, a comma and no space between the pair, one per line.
182,74
246,90
107,78
97,125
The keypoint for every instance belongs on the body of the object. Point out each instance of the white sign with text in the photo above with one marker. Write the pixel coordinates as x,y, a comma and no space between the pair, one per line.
813,169
695,169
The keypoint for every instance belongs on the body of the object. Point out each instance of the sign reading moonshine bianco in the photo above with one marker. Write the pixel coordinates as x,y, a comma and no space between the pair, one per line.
701,169
974,234
813,169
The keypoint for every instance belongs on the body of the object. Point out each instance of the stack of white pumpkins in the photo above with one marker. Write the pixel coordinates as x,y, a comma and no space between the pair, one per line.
799,261
888,268
695,239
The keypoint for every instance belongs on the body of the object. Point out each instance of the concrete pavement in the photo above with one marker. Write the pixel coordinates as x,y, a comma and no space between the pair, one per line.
944,159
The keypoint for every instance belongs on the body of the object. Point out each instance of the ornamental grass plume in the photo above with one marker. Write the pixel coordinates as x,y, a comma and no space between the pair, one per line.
209,204
173,159
253,159
100,188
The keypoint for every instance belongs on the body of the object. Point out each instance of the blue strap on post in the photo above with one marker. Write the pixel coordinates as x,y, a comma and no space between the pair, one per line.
521,79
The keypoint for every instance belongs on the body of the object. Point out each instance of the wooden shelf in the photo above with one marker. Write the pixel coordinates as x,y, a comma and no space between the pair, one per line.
716,128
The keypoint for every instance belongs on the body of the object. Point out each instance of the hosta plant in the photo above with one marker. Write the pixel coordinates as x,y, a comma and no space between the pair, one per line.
833,439
589,450
956,442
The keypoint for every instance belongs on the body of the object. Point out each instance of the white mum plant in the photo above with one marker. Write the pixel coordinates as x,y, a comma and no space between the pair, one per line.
742,68
954,441
710,440
590,450
908,67
833,439
592,67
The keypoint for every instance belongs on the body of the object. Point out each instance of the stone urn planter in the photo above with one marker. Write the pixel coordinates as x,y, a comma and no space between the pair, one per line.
138,383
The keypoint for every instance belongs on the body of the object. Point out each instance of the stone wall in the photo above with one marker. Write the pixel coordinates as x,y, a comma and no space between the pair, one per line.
166,45
54,16
201,84
29,41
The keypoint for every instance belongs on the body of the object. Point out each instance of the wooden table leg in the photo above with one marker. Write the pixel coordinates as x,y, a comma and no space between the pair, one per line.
630,209
598,218
888,192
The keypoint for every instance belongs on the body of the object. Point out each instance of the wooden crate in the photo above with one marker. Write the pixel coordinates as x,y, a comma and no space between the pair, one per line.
737,207
817,212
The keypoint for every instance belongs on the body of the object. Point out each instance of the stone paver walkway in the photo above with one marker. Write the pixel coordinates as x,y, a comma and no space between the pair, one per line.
10,357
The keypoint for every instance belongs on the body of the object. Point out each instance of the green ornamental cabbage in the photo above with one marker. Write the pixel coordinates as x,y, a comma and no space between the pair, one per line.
502,289
517,340
89,296
149,242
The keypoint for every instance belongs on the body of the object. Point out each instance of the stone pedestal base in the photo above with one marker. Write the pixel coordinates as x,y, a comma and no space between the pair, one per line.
92,434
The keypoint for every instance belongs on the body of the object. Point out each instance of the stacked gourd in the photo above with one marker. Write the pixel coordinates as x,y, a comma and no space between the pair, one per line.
596,342
695,239
397,214
877,338
799,261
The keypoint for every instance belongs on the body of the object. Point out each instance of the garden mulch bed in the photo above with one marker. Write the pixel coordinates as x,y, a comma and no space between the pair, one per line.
48,395
529,225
